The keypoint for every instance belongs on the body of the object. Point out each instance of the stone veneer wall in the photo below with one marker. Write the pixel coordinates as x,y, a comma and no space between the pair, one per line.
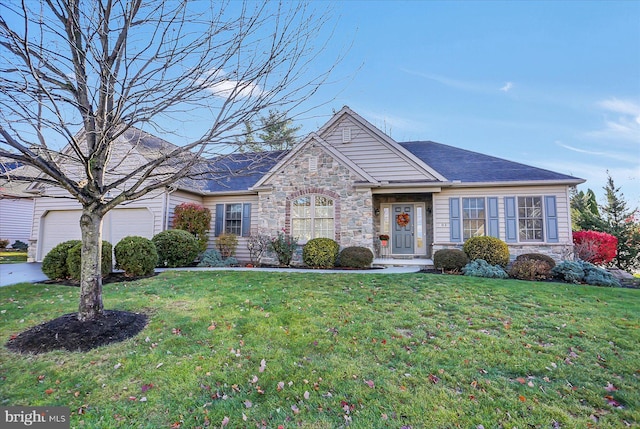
353,207
559,252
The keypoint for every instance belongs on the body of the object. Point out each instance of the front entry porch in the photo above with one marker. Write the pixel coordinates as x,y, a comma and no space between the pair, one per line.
404,229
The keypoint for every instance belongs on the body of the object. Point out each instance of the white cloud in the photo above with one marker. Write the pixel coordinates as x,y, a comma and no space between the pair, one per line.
624,126
507,87
221,85
611,155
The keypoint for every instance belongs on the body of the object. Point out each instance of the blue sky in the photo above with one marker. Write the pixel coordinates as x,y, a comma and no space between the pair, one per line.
551,84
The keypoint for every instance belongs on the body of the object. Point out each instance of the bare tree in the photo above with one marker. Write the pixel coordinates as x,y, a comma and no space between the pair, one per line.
77,74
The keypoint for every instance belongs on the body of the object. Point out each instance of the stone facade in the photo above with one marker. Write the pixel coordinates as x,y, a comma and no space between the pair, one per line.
559,252
315,171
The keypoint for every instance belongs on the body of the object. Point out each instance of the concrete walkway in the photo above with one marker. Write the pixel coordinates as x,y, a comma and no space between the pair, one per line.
19,273
32,272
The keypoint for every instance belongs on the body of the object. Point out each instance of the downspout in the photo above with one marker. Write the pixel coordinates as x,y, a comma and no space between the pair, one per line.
167,206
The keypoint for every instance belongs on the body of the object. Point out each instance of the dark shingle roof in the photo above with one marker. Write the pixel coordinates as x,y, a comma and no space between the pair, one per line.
239,171
469,167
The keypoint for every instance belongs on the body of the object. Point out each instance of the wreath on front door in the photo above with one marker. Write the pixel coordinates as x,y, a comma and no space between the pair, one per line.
403,219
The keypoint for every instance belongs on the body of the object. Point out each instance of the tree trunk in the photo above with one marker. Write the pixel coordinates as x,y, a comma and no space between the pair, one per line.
91,274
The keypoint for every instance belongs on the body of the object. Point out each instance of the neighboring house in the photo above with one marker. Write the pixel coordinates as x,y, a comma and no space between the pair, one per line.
16,205
350,182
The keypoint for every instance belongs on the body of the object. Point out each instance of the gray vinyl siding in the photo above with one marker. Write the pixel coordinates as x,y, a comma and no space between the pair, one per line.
16,219
441,210
242,253
380,160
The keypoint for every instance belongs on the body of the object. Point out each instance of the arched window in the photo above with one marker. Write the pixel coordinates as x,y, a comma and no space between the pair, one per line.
312,216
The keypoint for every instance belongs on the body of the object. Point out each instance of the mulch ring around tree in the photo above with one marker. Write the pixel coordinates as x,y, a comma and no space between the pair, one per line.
69,333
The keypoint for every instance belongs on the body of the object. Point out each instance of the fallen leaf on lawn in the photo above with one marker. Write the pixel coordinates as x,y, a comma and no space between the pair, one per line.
225,421
176,425
146,387
118,365
254,380
263,365
41,377
306,394
522,398
295,409
612,401
248,403
244,417
370,383
143,399
521,380
530,384
49,391
159,365
280,385
212,326
434,379
610,388
176,331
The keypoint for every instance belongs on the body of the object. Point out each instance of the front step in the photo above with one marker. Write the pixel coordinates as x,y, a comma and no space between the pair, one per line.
403,262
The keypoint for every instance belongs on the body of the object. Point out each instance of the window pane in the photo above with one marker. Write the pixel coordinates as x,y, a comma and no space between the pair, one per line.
530,218
473,217
302,208
233,219
301,228
312,217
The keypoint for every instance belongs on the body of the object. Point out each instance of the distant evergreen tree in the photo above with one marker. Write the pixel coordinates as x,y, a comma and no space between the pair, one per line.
614,217
276,133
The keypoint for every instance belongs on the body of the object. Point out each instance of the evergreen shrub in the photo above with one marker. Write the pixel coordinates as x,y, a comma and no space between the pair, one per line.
213,258
320,253
54,264
136,256
538,257
530,269
452,260
283,245
481,268
355,257
74,260
490,249
176,248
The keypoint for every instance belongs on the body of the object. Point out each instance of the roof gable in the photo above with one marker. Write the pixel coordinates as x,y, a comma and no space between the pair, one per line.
373,151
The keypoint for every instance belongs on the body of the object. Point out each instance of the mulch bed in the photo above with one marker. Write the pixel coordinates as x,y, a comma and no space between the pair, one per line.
69,333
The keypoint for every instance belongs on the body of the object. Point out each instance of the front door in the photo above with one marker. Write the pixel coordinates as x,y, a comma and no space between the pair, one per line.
402,221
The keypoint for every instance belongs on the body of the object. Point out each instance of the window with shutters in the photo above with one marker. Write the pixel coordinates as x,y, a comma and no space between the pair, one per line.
233,219
473,217
530,218
312,216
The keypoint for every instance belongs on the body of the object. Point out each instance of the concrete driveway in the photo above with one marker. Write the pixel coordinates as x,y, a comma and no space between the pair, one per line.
29,272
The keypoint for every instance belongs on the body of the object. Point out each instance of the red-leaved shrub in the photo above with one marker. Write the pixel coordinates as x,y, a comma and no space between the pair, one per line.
596,247
194,218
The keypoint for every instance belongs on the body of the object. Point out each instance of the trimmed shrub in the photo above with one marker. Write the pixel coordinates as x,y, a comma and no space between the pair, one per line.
283,245
4,243
530,269
320,253
490,249
596,247
137,256
597,276
452,260
20,245
481,268
54,264
355,257
568,271
74,260
195,219
538,257
176,248
227,244
213,258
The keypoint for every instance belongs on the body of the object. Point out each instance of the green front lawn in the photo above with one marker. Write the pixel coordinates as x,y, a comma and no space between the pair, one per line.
10,257
325,351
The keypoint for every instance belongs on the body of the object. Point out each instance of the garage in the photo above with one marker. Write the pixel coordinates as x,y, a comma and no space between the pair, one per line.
62,225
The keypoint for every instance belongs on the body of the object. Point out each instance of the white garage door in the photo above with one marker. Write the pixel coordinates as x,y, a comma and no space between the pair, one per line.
63,225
